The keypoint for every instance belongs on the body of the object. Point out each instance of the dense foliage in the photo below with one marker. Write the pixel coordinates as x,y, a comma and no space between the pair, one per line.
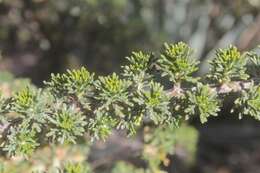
77,104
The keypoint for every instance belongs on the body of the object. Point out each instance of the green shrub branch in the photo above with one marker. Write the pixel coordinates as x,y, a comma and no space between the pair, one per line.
78,104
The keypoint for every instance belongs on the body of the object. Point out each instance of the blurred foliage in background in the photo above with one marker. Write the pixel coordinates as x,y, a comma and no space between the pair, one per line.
42,36
38,37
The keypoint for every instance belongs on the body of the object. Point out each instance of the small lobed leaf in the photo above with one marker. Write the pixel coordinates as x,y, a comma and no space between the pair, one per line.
228,65
177,63
203,102
155,103
24,99
66,124
72,82
139,64
254,64
21,141
249,102
111,86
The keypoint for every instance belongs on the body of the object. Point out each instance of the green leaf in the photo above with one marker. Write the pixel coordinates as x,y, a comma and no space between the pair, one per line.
21,141
72,82
202,101
228,65
155,103
249,102
177,63
139,64
67,123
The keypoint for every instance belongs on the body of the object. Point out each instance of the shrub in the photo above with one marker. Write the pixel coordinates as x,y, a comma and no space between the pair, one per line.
77,105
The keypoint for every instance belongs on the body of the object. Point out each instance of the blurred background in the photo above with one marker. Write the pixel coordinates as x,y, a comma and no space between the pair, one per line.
39,37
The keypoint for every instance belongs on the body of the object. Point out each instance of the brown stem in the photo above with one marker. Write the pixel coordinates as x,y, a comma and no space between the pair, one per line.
225,88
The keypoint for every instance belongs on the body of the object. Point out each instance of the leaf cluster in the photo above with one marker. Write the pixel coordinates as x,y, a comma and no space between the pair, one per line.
76,104
249,102
177,63
202,101
228,65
